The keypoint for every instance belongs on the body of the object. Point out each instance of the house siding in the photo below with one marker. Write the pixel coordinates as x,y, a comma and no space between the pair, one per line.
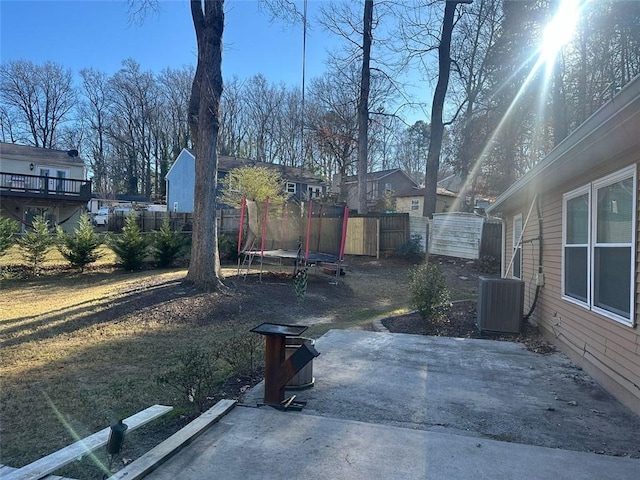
607,349
399,181
63,209
403,204
180,181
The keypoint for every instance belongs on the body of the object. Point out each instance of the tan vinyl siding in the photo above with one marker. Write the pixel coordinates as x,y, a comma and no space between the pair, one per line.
607,349
637,311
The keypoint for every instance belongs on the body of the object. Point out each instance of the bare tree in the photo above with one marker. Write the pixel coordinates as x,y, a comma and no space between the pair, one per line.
288,133
263,106
134,106
477,31
8,133
363,106
233,122
333,122
40,97
204,124
437,107
341,19
171,126
412,149
204,110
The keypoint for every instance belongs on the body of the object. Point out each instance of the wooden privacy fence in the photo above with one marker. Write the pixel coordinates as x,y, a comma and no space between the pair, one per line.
369,235
228,221
374,234
362,237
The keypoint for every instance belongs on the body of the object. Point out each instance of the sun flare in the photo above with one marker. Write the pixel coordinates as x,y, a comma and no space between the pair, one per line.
560,29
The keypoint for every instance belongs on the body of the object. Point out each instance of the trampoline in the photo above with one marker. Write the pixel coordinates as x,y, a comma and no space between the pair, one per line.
308,233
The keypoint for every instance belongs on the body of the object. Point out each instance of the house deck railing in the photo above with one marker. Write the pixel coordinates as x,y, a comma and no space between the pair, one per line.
21,185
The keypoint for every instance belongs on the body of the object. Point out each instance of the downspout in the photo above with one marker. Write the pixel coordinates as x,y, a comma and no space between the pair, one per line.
540,247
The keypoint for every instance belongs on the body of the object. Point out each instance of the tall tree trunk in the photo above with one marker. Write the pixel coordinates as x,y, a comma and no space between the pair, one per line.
204,105
363,107
437,126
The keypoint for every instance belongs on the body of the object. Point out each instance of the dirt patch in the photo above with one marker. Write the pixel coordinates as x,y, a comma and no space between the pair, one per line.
463,279
460,321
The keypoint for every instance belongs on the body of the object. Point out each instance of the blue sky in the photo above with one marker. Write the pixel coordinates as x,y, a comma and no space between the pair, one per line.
99,34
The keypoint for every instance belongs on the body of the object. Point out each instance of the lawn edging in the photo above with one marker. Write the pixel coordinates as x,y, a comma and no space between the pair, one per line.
165,450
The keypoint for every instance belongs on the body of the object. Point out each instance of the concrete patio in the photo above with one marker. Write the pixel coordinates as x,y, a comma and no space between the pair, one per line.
407,406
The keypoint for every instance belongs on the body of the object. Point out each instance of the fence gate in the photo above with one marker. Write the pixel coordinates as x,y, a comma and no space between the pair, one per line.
362,237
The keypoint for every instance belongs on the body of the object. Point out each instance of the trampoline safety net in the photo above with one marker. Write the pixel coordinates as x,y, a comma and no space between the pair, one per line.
312,232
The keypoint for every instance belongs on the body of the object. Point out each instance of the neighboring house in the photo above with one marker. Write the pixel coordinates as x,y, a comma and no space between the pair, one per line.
453,183
41,181
412,202
299,183
385,183
577,215
471,203
102,200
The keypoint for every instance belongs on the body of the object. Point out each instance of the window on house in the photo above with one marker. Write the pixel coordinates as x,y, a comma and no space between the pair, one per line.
291,187
387,187
598,238
314,192
517,247
30,213
415,204
576,245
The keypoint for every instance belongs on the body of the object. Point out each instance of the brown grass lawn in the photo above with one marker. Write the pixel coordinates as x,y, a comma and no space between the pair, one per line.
82,350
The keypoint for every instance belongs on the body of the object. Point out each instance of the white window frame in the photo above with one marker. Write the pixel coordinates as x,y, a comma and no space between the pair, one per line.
55,177
415,205
593,188
515,240
291,187
578,192
314,192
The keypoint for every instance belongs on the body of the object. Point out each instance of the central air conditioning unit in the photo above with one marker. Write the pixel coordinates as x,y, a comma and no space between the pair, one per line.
500,305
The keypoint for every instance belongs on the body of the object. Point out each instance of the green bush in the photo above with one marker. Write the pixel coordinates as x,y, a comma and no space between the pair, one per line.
228,248
81,248
195,374
35,243
244,352
411,249
130,246
9,230
167,245
429,292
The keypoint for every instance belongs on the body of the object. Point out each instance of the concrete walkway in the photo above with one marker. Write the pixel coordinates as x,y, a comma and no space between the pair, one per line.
251,443
406,406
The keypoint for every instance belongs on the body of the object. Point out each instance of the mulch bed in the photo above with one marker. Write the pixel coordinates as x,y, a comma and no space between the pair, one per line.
460,322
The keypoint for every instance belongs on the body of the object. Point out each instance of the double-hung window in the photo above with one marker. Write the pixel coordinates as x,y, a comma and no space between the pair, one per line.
598,239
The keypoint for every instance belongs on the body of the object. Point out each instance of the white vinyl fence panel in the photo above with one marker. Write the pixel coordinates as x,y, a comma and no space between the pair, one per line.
456,235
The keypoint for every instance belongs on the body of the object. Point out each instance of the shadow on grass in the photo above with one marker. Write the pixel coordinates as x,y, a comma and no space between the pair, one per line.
69,319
